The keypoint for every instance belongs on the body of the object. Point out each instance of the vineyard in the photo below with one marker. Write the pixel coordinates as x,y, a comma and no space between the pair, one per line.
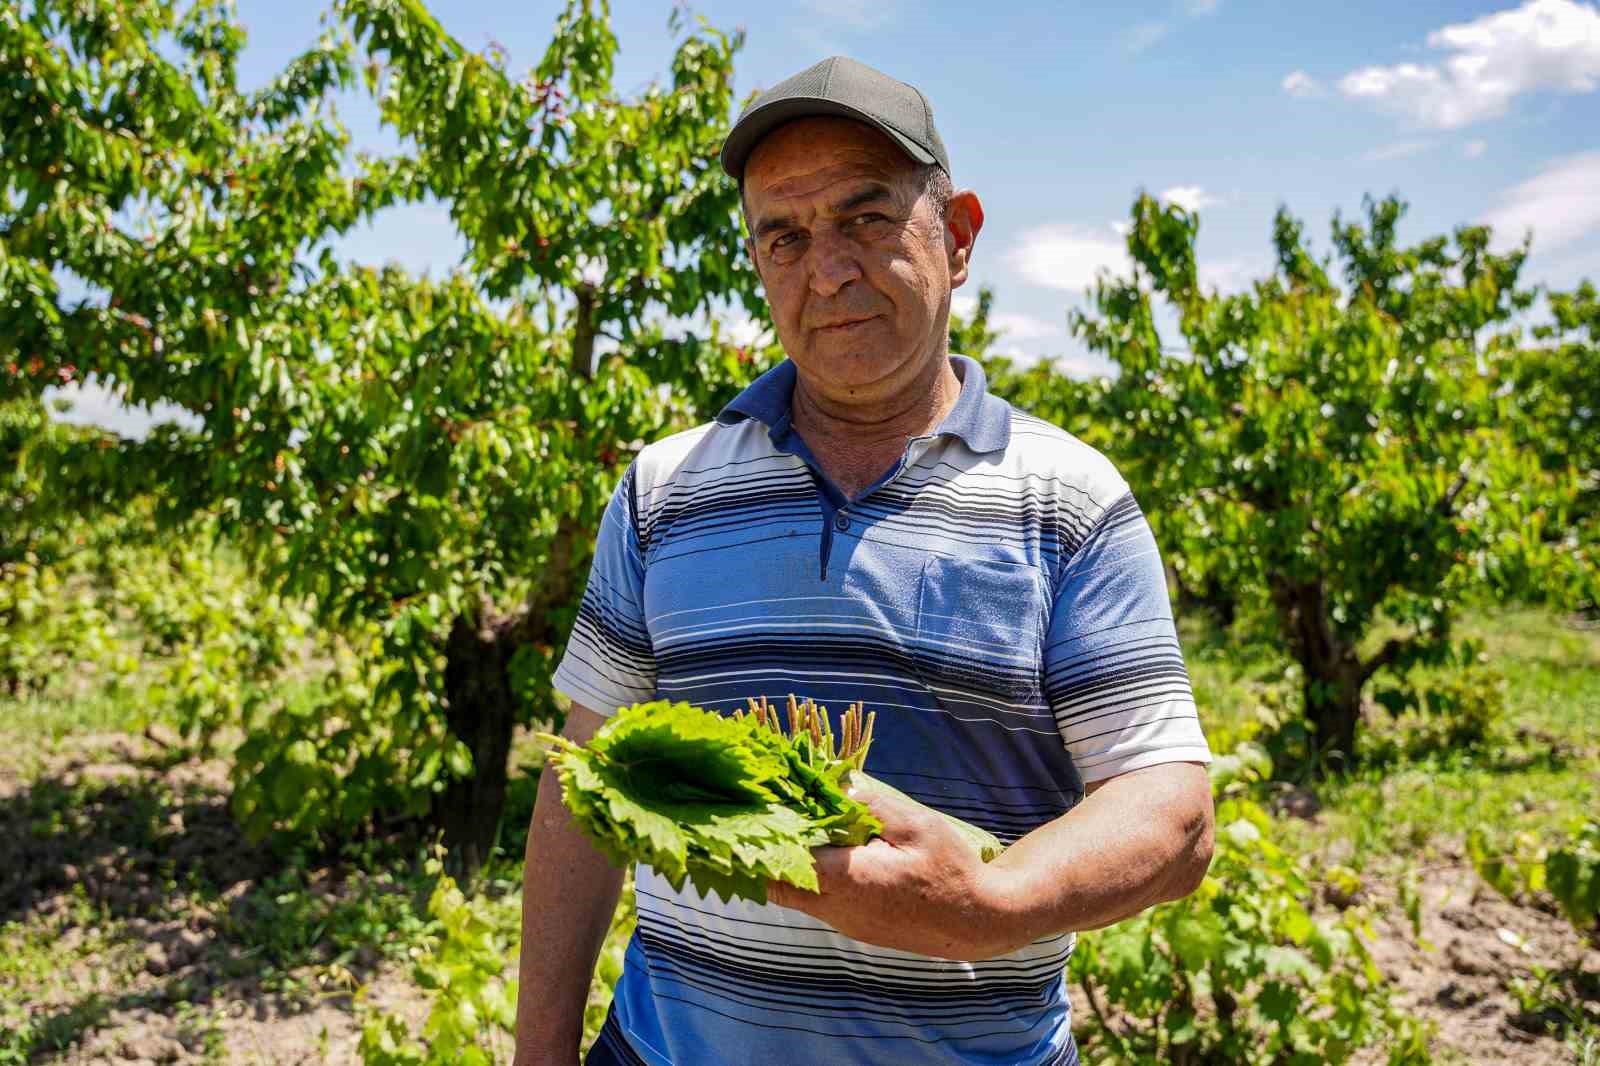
273,680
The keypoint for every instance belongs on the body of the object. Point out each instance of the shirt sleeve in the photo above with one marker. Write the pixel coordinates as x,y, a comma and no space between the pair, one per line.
1113,671
609,661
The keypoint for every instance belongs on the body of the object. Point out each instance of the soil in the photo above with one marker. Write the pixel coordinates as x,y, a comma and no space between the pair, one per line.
175,981
113,828
1459,974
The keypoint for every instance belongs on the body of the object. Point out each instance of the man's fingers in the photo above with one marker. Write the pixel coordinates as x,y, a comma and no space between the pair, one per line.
832,865
786,895
901,817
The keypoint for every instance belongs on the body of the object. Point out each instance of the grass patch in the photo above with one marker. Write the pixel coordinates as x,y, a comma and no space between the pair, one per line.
42,963
308,926
1408,800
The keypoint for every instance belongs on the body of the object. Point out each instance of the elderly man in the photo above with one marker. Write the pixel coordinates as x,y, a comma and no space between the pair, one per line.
866,522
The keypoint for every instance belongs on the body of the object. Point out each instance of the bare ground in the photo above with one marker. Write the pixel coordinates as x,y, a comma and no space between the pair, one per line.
128,877
1459,974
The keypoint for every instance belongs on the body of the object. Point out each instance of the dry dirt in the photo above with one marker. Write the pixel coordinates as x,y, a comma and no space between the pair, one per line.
166,980
1474,944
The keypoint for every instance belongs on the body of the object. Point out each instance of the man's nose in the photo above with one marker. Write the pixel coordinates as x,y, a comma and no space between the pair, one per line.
834,264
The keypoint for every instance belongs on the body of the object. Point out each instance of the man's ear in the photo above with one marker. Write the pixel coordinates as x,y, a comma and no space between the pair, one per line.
963,221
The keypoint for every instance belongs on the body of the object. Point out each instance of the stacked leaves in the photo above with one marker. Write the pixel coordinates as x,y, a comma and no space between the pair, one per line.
728,803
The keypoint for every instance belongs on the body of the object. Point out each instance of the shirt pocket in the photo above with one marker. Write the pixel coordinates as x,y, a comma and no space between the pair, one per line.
980,628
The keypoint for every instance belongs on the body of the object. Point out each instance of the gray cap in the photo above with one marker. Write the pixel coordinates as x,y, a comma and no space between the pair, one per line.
839,86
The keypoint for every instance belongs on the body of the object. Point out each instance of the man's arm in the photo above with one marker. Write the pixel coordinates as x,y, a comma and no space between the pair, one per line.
569,891
1137,839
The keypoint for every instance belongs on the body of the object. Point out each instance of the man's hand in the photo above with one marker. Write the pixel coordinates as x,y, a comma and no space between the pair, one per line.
918,887
1138,839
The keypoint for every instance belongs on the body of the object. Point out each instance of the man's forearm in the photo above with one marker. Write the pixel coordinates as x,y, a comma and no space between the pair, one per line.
1140,839
569,892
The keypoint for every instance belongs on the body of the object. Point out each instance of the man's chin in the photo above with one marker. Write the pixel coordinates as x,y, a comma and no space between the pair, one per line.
855,368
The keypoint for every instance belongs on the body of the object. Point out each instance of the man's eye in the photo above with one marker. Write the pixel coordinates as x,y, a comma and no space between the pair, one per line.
785,240
869,217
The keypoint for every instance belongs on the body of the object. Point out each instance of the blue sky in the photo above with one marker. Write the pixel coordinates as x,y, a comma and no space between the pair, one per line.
1057,113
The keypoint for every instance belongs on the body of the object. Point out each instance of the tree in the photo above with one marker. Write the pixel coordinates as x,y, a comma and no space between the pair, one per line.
424,461
1556,387
1040,388
1336,453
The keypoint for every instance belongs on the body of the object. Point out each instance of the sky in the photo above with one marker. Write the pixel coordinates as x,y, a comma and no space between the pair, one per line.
1058,114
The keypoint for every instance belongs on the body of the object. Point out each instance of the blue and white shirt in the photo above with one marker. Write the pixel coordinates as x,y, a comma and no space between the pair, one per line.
997,598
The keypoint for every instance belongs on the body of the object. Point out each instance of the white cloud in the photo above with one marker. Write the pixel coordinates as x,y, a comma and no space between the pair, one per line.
93,404
1544,45
1082,364
1231,275
1191,198
1151,32
1403,150
735,325
1473,149
1300,85
1068,256
1015,326
1146,35
1559,205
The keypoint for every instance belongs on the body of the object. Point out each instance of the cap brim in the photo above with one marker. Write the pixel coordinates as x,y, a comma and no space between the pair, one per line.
750,128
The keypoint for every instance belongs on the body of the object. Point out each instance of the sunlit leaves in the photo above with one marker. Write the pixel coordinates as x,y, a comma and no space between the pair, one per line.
1243,970
1334,444
408,455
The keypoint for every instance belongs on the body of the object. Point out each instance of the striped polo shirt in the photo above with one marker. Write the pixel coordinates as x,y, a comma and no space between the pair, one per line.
996,597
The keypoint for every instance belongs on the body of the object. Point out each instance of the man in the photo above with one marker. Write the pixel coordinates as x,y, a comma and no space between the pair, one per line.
865,522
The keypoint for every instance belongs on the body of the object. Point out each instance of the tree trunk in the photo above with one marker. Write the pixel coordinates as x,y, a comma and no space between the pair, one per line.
1208,596
1334,706
482,714
482,711
1334,674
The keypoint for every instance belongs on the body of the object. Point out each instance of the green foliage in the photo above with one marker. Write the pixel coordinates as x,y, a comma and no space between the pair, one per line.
36,960
1557,395
1042,388
175,624
1460,708
50,618
1568,870
419,461
1242,971
728,803
1342,459
462,963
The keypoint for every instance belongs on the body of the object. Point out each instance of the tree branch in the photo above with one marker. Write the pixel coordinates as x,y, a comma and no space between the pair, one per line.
1447,502
584,331
1386,655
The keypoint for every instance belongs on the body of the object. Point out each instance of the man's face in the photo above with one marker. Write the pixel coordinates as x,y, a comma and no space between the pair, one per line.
856,263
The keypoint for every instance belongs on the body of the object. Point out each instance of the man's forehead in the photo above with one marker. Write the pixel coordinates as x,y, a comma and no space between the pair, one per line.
806,156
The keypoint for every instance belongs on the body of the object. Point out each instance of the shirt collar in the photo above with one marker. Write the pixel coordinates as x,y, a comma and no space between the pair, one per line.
979,418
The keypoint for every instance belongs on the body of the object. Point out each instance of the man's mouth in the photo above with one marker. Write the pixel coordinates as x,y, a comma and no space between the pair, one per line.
844,325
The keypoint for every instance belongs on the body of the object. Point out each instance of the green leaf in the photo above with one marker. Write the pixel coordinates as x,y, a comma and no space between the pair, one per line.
726,803
1196,939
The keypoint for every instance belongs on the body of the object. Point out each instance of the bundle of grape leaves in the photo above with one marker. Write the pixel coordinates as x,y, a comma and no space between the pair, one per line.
727,803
